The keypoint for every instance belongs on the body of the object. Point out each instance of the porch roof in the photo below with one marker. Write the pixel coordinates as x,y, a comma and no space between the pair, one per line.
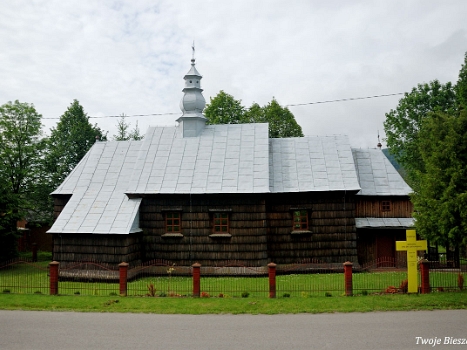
384,222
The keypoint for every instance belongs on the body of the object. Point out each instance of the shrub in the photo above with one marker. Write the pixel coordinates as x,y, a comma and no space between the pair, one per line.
205,295
245,295
404,287
37,292
151,290
364,292
77,293
162,294
327,294
286,295
6,291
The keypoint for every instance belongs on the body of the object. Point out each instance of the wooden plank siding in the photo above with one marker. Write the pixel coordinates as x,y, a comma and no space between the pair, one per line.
379,243
368,206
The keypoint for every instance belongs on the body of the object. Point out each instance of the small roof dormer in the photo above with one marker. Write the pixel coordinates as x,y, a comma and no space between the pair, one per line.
192,104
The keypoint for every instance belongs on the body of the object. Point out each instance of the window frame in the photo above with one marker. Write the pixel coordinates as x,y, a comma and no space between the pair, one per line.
224,217
304,221
172,225
386,206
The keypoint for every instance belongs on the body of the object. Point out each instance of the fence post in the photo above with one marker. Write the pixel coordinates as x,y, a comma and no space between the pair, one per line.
196,279
123,277
272,279
425,274
348,278
53,277
34,252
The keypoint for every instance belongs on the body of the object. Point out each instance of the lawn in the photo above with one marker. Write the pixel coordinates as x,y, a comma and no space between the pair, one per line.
250,305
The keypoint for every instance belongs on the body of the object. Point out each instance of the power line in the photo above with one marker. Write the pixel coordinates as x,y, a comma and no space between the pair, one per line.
119,116
289,105
345,99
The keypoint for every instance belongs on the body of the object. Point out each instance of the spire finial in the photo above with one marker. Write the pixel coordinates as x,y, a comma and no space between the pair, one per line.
193,53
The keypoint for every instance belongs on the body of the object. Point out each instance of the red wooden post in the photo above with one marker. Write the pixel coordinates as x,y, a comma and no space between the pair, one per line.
425,274
196,280
348,278
34,252
272,279
53,271
123,276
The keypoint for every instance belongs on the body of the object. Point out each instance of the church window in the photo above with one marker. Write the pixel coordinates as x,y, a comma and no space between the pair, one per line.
221,222
300,220
173,222
386,206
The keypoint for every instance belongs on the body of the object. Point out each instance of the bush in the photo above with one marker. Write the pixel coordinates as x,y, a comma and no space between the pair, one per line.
245,295
327,294
286,295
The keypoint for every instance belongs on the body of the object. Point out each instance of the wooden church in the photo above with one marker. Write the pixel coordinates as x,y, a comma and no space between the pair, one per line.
217,194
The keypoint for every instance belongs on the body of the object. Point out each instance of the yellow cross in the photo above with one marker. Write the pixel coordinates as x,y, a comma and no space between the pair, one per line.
411,246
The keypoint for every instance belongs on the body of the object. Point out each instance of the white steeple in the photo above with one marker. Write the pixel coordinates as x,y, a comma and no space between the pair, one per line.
192,121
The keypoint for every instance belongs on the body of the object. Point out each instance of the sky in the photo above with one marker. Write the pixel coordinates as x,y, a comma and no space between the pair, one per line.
130,57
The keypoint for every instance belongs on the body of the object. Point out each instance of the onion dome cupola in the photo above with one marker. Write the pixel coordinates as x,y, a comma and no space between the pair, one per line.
192,121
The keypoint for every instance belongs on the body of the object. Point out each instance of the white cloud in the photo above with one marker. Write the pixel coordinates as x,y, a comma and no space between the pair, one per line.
130,56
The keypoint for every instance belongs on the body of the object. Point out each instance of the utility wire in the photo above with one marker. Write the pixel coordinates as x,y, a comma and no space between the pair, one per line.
289,105
345,99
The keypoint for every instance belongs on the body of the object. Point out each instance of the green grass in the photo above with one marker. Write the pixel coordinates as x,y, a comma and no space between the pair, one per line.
250,305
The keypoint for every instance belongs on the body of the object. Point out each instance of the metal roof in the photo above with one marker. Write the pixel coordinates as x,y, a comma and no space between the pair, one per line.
97,184
316,163
235,158
384,222
377,176
222,159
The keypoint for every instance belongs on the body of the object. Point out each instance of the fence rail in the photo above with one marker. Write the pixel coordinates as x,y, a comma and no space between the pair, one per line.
163,278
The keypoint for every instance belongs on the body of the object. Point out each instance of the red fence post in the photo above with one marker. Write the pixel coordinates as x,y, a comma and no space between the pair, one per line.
272,279
53,271
123,277
425,274
34,252
348,278
196,280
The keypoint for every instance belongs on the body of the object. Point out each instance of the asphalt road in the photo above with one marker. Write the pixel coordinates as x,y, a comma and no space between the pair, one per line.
376,330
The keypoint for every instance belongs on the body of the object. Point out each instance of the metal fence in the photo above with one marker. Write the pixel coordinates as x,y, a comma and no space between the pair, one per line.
24,276
164,279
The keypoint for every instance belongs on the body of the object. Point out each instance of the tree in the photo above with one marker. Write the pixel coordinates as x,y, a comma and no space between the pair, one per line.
461,86
402,125
281,121
441,201
69,142
122,131
224,109
21,152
